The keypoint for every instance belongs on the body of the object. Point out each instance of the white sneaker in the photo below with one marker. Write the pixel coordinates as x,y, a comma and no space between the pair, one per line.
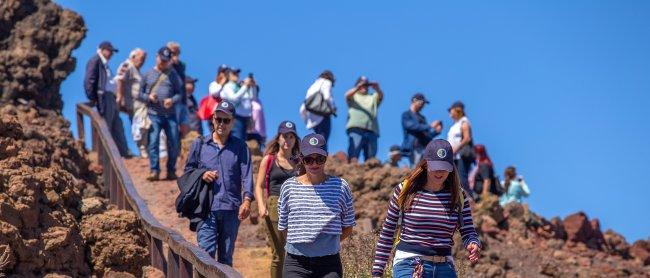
143,152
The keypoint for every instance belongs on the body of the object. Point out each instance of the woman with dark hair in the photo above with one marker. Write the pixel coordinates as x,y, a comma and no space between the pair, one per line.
276,167
460,137
320,122
423,213
316,213
485,181
514,186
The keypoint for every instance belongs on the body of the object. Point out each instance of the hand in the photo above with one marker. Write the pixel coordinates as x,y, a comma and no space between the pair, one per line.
474,252
374,85
168,103
153,97
247,81
210,176
244,209
437,126
262,211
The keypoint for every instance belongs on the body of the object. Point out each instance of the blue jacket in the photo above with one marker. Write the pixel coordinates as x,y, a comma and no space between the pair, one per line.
95,78
416,131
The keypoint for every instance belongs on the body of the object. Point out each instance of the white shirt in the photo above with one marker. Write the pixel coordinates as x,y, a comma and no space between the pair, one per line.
110,85
455,134
215,89
325,87
242,97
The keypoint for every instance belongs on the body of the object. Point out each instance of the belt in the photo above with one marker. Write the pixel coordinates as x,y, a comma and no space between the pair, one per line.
434,259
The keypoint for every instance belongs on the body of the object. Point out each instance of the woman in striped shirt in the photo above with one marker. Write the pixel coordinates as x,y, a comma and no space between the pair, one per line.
316,212
426,209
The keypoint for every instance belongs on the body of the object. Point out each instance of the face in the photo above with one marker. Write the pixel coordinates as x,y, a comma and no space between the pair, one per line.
363,89
233,76
287,141
454,114
222,123
189,88
139,59
107,54
314,163
438,176
161,64
396,157
418,104
176,53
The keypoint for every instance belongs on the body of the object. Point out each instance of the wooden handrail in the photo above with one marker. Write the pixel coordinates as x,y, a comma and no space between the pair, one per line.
183,259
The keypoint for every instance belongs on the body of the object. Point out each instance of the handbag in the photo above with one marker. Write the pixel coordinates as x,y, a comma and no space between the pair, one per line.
316,104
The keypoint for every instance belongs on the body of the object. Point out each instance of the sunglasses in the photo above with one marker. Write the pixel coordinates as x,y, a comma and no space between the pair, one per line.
222,120
320,160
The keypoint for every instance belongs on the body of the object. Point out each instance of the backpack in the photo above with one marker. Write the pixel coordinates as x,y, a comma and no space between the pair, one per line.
316,104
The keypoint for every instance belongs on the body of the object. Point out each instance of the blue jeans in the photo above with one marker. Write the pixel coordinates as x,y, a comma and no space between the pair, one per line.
239,127
464,166
361,140
218,232
169,125
406,267
182,113
324,128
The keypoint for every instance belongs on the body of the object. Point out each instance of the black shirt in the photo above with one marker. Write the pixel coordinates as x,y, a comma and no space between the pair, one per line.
277,176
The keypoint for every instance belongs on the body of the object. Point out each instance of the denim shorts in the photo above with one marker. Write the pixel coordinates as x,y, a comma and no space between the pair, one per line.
406,268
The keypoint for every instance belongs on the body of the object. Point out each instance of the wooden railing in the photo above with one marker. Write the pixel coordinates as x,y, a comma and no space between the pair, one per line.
183,259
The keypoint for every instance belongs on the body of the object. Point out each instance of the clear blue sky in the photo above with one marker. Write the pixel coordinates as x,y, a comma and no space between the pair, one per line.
556,88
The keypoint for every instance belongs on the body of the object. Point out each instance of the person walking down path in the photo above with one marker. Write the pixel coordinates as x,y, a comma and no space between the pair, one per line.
460,137
128,88
417,132
514,186
316,212
229,170
276,167
319,105
362,126
424,212
100,88
161,90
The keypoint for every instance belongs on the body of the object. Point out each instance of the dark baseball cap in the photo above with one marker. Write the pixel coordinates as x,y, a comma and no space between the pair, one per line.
235,70
439,155
313,144
189,79
226,107
108,46
165,53
286,127
420,96
394,148
223,68
456,104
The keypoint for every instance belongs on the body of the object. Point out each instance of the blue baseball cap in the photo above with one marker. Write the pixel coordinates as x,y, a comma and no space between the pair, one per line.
313,144
420,97
439,155
226,107
108,46
286,127
165,53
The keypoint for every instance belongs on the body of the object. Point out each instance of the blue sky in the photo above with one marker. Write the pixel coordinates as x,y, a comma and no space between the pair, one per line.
557,88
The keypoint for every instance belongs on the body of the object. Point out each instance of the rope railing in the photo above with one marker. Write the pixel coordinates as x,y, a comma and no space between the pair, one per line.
183,259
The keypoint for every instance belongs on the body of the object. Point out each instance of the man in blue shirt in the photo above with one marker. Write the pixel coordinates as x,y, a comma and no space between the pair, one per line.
160,89
417,133
228,161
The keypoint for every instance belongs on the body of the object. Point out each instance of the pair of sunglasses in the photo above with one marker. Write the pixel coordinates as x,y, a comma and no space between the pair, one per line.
320,160
222,120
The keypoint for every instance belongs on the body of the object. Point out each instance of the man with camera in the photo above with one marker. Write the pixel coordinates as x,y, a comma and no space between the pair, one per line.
362,126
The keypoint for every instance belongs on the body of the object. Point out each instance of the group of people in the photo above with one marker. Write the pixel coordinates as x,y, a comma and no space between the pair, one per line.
307,212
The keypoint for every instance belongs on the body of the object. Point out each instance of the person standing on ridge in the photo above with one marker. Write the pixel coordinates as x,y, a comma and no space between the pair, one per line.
319,105
362,126
417,132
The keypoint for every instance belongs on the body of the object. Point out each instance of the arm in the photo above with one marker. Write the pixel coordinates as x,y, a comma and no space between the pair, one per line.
215,89
412,125
467,231
327,93
347,215
144,90
346,232
259,185
350,93
486,174
229,94
467,137
387,235
247,174
380,93
283,209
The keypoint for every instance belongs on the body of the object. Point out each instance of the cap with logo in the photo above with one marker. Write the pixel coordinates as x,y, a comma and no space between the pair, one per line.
286,127
108,46
439,155
313,144
420,97
165,53
226,107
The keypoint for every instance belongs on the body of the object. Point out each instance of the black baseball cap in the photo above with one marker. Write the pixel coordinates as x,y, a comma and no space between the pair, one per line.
235,70
108,46
226,107
313,144
286,127
165,53
456,104
420,96
439,155
189,79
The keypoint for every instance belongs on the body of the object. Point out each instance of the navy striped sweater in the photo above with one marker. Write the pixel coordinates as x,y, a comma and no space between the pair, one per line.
427,227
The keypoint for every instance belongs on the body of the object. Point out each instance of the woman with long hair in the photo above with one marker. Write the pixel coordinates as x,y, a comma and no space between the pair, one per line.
423,214
316,213
485,181
515,188
276,167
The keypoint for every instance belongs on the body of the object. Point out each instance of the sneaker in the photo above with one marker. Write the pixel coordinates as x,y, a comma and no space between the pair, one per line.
153,176
143,152
171,176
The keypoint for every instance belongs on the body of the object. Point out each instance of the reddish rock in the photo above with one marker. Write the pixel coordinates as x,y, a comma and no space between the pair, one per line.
577,227
640,250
